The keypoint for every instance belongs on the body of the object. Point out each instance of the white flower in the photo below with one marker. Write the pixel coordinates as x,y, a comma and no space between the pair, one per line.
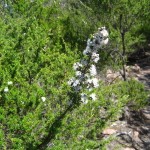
71,81
104,42
43,99
76,82
87,75
5,5
92,70
6,89
93,96
95,57
84,99
77,65
103,31
87,50
89,42
78,73
9,82
95,82
89,81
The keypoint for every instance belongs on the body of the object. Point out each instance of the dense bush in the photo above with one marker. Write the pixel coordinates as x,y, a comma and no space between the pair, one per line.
38,46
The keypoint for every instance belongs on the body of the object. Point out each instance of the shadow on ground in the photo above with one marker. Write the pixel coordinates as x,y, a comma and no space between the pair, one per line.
139,135
133,130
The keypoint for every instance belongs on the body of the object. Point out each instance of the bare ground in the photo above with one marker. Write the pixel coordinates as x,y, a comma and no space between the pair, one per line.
133,131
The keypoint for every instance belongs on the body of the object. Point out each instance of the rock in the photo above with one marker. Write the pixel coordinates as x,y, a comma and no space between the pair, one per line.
125,139
135,132
136,136
109,131
145,115
136,68
112,76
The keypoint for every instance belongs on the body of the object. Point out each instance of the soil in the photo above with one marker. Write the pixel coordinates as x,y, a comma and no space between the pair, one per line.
132,132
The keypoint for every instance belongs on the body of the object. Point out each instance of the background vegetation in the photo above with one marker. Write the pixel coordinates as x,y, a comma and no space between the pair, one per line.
39,42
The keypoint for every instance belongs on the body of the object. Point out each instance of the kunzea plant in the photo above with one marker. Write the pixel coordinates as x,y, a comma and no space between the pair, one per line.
86,79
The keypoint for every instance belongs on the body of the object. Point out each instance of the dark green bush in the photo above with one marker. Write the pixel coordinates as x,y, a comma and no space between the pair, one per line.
38,46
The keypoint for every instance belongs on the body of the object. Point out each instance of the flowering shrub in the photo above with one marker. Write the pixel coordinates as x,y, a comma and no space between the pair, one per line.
86,79
38,109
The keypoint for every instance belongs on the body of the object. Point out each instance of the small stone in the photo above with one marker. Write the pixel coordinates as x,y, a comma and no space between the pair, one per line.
136,136
145,114
109,131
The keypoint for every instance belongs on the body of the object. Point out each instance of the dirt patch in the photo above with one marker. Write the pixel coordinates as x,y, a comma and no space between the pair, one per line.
133,131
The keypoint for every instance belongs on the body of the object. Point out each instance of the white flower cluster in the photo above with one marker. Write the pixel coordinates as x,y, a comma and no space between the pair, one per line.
43,99
85,70
6,89
98,41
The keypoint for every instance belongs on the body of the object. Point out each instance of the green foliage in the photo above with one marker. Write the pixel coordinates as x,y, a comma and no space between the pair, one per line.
38,46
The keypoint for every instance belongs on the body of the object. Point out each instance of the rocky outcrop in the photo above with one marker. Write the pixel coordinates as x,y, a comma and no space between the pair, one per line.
133,131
